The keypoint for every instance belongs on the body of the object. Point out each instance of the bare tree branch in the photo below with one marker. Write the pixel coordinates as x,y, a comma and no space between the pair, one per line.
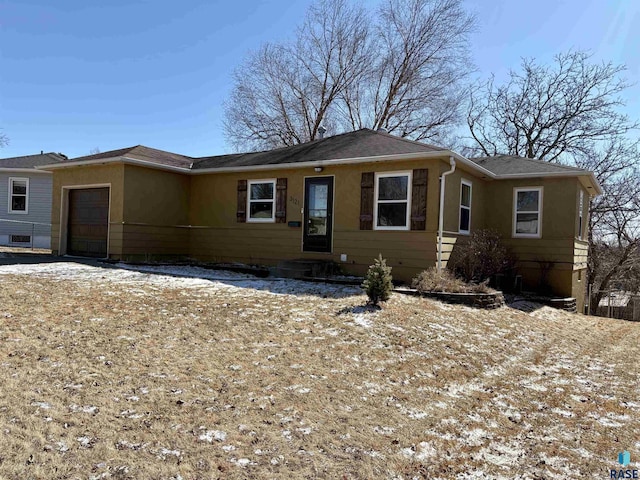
402,69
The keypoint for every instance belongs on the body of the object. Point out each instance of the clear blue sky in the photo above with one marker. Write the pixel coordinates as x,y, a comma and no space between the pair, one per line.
76,75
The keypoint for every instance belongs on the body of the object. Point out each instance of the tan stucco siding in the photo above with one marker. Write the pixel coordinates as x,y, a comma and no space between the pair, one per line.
558,206
453,185
102,175
217,234
156,213
155,197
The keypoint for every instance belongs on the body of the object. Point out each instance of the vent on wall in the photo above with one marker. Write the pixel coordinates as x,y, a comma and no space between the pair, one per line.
20,239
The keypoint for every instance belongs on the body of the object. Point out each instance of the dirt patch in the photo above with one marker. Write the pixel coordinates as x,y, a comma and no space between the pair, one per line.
111,373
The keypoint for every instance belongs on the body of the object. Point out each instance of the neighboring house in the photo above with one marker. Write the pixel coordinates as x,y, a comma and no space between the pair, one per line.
25,200
620,304
344,198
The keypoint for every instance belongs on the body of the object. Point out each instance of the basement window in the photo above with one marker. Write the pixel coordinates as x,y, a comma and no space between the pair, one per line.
261,199
18,195
465,207
527,212
392,193
21,239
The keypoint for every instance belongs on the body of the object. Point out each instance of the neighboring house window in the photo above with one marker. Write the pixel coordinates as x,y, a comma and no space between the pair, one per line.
527,220
580,215
18,195
392,194
262,199
465,207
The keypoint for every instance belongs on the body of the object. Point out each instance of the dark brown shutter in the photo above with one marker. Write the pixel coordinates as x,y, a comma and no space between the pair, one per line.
281,200
419,199
241,214
366,201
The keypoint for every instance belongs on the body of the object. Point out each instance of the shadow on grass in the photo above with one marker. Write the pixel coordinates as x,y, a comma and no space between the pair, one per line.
270,284
359,309
522,304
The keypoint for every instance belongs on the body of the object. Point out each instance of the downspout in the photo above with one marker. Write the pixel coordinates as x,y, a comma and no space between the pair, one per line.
452,162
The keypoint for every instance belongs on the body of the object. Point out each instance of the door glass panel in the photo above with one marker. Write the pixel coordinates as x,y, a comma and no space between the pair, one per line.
317,223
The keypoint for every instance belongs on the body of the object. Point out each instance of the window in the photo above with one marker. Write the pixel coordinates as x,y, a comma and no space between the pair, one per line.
262,198
527,213
465,206
580,214
392,193
18,195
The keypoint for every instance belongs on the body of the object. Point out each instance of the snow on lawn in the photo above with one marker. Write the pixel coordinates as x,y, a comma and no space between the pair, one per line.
172,276
184,372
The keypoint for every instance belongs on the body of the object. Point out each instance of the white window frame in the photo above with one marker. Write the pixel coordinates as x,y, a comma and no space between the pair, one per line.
26,200
273,201
581,214
470,185
378,176
540,191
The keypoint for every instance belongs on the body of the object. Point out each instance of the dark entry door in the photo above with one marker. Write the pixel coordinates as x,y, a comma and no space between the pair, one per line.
88,222
318,214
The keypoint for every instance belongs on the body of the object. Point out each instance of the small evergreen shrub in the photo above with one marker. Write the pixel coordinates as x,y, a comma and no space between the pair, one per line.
378,281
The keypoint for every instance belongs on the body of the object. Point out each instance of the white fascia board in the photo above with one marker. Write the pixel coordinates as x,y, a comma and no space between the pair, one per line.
125,160
23,170
445,154
57,166
328,163
516,176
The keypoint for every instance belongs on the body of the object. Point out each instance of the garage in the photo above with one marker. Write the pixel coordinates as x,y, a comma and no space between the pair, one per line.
88,222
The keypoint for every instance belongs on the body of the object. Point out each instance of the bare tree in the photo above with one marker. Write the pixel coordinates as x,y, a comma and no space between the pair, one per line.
4,140
401,69
614,227
415,86
547,112
283,93
570,113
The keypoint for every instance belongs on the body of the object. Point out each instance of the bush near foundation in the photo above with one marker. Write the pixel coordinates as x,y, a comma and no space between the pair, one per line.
481,257
446,282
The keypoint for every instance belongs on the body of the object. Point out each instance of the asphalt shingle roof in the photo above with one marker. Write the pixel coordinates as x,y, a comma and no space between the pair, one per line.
140,152
31,161
358,144
361,143
512,165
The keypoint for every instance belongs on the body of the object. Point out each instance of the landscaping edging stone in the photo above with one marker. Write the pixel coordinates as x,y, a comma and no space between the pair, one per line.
486,301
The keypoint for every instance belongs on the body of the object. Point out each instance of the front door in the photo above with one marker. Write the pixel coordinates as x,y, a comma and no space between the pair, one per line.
318,214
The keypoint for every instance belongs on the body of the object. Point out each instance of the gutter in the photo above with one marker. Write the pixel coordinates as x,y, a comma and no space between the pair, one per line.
443,181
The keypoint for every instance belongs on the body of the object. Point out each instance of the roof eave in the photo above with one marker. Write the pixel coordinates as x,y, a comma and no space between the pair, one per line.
121,159
331,162
22,170
592,177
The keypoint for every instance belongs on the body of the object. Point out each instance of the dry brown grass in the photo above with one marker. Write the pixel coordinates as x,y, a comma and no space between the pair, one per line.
446,282
144,379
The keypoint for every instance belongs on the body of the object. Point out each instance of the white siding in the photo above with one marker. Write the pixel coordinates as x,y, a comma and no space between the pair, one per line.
39,207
